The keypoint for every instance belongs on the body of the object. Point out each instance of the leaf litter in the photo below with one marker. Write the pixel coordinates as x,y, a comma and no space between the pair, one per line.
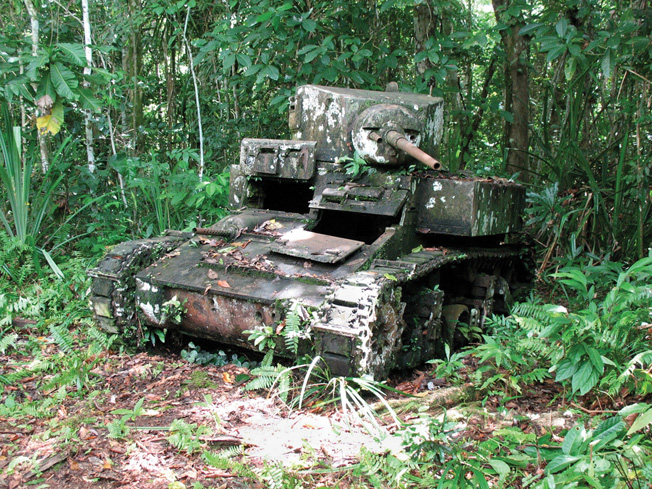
120,432
72,445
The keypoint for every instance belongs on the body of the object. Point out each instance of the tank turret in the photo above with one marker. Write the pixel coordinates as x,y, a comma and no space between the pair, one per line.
339,230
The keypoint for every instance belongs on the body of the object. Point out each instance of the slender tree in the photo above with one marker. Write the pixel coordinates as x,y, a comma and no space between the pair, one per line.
200,128
90,154
33,17
517,97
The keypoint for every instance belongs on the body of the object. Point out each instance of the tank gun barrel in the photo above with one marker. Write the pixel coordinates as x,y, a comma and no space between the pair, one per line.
400,142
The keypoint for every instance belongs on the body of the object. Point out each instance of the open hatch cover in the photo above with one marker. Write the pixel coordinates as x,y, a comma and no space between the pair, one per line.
314,246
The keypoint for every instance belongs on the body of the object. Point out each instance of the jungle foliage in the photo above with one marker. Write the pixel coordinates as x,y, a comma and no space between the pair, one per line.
174,85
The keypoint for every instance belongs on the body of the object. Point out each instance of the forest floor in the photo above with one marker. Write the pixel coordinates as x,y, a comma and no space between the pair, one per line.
155,421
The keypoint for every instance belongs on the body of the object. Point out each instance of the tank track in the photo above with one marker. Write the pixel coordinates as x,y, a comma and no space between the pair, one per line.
113,280
362,326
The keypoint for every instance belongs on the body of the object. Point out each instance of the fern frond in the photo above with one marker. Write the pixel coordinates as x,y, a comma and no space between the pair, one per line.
284,385
225,460
27,371
640,360
8,341
265,377
540,312
62,338
101,342
534,376
292,331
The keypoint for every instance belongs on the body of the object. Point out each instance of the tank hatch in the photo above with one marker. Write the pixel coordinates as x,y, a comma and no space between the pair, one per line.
315,246
280,158
350,197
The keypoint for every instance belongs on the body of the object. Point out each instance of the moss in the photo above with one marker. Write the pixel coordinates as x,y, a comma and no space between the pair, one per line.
200,379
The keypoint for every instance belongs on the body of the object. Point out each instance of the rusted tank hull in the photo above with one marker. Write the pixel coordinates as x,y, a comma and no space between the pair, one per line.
341,227
219,318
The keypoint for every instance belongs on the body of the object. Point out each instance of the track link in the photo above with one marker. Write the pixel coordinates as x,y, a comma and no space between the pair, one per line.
113,280
362,327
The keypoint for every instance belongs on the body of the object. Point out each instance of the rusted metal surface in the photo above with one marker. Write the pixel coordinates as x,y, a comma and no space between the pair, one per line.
326,114
365,200
463,207
213,232
290,159
315,246
217,316
363,252
371,126
400,142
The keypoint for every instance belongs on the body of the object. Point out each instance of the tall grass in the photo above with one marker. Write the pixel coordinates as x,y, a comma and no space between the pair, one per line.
26,207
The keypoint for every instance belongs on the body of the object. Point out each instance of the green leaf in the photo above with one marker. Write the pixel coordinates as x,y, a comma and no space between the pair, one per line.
243,60
569,68
595,358
572,440
574,49
585,378
607,431
529,28
562,28
501,468
88,101
73,52
309,25
55,268
560,462
45,87
566,370
642,421
555,52
64,80
573,278
265,17
606,64
307,48
42,59
228,61
269,71
311,55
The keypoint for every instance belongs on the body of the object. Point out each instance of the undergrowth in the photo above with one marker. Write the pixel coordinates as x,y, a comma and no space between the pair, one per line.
599,342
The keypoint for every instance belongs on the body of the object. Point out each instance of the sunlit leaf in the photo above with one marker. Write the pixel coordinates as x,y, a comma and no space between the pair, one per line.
51,122
642,421
562,28
88,101
73,52
64,80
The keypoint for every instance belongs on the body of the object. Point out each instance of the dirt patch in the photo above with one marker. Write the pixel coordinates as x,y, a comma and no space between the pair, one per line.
147,421
120,435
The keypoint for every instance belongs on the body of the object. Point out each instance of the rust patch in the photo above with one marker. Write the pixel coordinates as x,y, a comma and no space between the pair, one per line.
223,318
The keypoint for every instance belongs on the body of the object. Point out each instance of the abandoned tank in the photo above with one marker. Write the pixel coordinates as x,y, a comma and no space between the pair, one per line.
350,232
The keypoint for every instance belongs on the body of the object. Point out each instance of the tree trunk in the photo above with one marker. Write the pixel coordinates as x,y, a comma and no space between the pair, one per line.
200,172
133,67
42,143
469,133
516,92
432,21
90,154
425,26
170,73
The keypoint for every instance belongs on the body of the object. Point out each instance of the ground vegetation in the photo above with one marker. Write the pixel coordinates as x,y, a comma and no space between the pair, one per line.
119,120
